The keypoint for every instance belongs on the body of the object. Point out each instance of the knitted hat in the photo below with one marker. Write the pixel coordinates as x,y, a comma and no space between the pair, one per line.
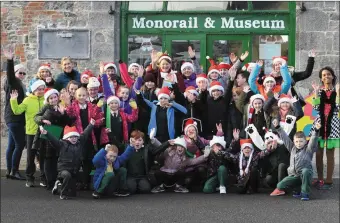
180,141
149,77
213,67
18,67
224,66
48,93
110,65
269,78
285,98
215,85
164,56
164,92
188,123
281,59
70,131
219,140
45,67
113,98
248,66
37,84
246,143
93,82
201,77
191,90
87,73
133,65
187,64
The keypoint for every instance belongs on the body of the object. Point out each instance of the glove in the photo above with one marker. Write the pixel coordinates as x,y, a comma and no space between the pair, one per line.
100,103
206,151
152,133
133,104
107,147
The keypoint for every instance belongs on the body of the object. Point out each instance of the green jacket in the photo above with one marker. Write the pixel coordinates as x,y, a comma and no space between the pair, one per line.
31,106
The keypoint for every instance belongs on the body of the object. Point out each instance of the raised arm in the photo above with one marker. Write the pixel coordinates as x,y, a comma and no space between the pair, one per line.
197,67
18,109
88,130
124,74
99,159
268,105
287,79
285,138
126,155
179,107
252,79
298,112
299,76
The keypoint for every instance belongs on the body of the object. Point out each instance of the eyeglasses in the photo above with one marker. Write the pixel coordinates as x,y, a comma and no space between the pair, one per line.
23,73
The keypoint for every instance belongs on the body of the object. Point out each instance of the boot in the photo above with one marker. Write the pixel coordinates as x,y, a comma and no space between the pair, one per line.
16,176
8,174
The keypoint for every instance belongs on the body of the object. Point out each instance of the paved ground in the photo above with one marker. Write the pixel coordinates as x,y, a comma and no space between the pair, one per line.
20,204
23,160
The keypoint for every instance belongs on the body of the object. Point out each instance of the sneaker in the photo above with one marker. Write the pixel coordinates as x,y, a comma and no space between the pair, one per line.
277,192
180,189
304,197
30,183
95,195
55,188
43,183
158,189
122,193
223,190
63,197
325,187
296,194
318,184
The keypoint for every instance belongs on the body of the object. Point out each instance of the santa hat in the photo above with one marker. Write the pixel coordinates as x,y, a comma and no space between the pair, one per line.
113,98
37,84
281,59
164,56
93,82
256,96
18,67
149,77
224,66
248,66
201,77
70,131
45,67
213,67
246,143
251,109
215,85
48,93
219,140
270,136
108,65
269,78
163,92
285,98
133,65
187,64
180,141
191,90
86,73
188,123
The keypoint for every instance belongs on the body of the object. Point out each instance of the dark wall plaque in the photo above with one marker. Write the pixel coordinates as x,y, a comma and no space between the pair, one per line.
57,43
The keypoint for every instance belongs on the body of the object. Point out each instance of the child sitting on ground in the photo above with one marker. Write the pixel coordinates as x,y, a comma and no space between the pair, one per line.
300,170
70,150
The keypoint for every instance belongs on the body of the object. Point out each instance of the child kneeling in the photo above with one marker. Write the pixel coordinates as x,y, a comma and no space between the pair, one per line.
110,177
70,156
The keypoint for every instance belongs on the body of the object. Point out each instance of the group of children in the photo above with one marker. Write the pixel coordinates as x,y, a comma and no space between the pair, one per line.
155,129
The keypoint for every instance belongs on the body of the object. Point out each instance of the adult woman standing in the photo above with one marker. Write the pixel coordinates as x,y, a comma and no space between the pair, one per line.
15,123
67,75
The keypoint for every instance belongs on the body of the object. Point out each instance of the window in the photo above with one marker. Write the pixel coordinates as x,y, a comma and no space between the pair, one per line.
145,6
140,48
265,47
270,5
207,6
223,48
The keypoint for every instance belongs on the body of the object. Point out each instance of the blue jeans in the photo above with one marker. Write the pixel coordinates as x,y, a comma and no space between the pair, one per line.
16,144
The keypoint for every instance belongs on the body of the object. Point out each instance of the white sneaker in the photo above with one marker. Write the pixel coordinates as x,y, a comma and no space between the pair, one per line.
223,190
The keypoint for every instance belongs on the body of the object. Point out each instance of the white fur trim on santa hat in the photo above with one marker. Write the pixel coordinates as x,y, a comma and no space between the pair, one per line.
164,57
219,140
216,87
201,79
180,142
68,135
285,99
93,82
214,70
113,98
110,65
269,79
193,125
256,96
279,60
133,65
44,68
187,64
194,92
49,93
250,66
161,95
37,84
244,145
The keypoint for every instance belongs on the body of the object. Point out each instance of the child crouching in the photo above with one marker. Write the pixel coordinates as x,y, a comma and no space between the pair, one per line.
70,156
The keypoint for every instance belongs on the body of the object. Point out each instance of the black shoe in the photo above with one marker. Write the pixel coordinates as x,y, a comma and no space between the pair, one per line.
8,174
180,189
17,176
158,189
95,195
43,183
122,193
64,197
30,183
55,188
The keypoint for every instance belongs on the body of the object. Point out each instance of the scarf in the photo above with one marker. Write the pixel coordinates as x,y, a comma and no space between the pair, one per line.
251,111
169,76
248,164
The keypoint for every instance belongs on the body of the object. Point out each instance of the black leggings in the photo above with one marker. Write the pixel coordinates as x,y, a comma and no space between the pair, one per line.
30,165
169,179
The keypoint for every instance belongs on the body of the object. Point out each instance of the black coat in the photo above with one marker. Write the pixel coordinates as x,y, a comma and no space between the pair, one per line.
279,155
13,83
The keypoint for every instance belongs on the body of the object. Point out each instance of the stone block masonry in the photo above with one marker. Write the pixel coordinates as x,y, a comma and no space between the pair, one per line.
21,20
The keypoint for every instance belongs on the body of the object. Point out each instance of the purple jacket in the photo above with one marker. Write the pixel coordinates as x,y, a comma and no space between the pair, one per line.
191,81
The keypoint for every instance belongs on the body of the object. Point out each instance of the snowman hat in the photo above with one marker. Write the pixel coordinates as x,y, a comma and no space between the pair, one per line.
218,140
